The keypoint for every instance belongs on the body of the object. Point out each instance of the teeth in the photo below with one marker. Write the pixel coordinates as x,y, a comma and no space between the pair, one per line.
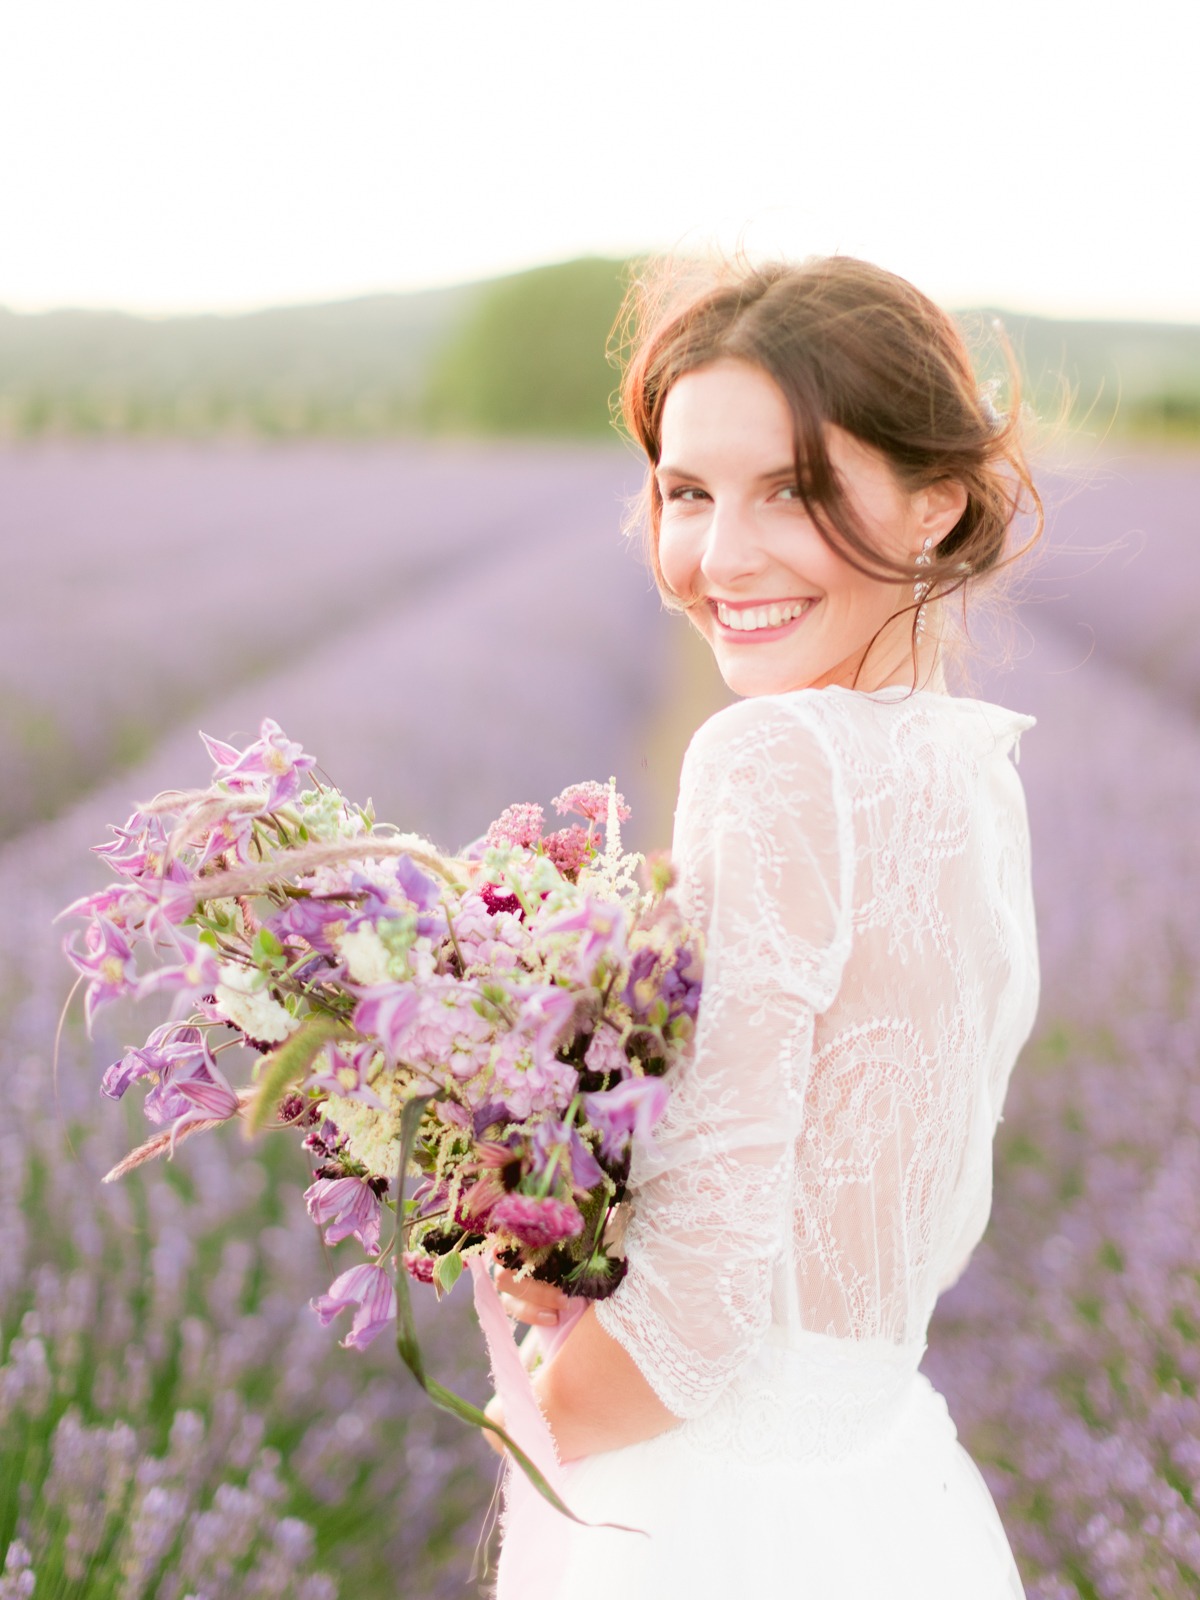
749,619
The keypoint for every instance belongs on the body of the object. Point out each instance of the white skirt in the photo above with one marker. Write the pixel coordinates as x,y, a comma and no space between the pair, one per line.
828,1471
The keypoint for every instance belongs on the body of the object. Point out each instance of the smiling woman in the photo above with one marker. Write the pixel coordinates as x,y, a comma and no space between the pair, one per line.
852,457
823,476
779,605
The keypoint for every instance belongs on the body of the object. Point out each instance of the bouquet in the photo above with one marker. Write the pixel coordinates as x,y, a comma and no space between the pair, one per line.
496,1027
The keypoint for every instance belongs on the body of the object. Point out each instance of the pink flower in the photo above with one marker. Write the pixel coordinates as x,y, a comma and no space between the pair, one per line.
345,1206
536,1222
590,800
569,848
107,962
519,825
627,1111
371,1290
419,1268
273,762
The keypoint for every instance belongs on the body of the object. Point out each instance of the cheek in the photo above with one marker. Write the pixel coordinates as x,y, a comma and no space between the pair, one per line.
678,560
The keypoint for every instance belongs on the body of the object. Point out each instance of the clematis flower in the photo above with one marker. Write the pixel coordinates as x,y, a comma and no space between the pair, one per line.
168,1049
537,1222
122,904
273,760
107,961
193,1089
368,1288
345,1206
197,974
344,1072
629,1110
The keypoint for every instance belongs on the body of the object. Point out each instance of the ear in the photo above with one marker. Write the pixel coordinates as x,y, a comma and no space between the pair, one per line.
937,509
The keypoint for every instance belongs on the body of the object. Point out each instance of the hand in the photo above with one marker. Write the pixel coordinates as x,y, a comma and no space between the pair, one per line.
530,1301
494,1412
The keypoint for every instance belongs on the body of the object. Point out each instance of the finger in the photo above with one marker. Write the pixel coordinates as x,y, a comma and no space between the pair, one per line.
527,1311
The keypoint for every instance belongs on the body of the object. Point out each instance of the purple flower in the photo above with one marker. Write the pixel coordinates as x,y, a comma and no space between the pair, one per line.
629,1110
121,903
546,1012
309,919
602,925
108,962
168,1049
197,974
385,1012
536,1222
192,1089
345,1206
273,758
553,1139
419,888
344,1073
371,1290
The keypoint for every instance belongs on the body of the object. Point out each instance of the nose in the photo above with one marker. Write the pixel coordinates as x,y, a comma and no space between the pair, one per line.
732,546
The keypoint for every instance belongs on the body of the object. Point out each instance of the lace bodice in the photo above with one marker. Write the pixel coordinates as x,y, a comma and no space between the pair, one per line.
860,863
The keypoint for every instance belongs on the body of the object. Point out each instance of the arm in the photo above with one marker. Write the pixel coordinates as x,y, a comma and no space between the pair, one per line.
764,833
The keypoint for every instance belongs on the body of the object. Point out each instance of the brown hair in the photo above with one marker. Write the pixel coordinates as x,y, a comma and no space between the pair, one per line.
850,344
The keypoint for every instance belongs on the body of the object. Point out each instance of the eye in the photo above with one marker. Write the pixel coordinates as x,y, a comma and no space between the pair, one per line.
788,491
686,494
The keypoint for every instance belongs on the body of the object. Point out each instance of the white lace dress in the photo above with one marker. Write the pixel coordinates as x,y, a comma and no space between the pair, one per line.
861,865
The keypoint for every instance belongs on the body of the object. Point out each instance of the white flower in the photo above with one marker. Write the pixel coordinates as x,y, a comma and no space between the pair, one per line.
372,1135
365,956
242,998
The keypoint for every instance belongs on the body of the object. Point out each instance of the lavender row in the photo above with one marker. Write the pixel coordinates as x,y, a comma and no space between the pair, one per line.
1070,1351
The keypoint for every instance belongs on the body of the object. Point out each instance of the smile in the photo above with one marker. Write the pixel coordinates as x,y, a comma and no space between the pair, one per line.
753,619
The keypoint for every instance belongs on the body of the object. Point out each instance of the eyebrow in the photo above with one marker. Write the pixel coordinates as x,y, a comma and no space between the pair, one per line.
667,469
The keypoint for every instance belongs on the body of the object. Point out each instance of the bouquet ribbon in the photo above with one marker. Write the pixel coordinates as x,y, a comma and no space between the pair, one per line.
535,1534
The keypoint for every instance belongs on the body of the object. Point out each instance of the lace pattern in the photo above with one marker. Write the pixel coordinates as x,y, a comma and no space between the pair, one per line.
861,865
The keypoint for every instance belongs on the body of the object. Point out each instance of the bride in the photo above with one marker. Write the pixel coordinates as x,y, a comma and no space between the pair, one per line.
823,478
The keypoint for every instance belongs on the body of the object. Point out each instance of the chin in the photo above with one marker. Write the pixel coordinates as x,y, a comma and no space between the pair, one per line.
746,677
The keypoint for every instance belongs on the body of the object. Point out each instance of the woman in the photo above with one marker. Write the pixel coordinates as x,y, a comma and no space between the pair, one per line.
823,477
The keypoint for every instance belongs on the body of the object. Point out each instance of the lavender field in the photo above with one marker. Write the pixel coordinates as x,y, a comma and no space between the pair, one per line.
451,629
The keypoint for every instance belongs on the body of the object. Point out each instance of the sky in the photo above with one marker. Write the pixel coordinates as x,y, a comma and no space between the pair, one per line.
221,156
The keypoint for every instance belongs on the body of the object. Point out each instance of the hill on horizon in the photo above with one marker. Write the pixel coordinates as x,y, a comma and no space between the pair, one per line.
520,355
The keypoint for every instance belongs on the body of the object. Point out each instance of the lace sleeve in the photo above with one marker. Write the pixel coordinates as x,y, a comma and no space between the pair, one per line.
763,840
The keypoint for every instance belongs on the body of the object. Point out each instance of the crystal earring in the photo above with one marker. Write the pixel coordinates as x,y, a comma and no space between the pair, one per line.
921,587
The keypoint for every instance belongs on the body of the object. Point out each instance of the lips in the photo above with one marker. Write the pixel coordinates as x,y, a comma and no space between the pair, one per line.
753,619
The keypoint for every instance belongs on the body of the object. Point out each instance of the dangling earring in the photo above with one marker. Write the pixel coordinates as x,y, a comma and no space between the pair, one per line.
921,587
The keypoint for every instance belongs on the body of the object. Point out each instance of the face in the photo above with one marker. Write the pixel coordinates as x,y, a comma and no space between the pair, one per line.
780,609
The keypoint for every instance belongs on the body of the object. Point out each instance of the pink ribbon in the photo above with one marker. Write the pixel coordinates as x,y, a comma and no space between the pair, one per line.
534,1552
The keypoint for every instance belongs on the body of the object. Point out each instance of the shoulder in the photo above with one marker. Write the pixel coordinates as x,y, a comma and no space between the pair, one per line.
807,730
772,762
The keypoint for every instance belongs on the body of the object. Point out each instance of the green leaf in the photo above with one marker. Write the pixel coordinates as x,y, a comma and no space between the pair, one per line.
448,1271
288,1064
266,950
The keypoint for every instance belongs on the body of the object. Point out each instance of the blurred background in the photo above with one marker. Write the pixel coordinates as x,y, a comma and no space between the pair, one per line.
305,412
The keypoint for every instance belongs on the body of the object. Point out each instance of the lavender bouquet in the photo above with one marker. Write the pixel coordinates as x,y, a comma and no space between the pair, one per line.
496,1026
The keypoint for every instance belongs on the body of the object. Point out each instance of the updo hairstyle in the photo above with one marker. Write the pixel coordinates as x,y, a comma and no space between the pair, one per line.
851,344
